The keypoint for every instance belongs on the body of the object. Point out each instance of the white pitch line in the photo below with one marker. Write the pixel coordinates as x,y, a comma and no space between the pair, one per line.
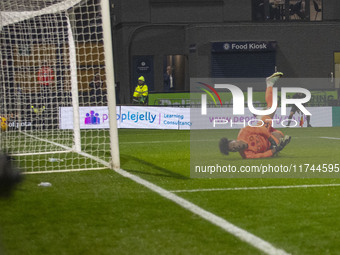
173,141
209,140
170,141
65,171
331,138
258,188
84,154
242,234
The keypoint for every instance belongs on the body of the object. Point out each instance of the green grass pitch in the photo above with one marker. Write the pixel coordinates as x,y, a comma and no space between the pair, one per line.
101,212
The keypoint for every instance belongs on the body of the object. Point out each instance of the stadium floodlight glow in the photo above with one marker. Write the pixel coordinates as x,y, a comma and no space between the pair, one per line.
238,100
71,39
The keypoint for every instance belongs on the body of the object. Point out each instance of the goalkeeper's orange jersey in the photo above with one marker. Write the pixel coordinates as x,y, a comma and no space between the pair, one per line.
257,140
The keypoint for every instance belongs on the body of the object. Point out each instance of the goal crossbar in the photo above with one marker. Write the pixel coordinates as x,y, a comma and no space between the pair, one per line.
10,17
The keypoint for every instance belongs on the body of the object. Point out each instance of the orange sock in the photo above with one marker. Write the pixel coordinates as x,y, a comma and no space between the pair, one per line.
269,96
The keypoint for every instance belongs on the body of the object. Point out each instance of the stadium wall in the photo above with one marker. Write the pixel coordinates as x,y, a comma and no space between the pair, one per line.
171,27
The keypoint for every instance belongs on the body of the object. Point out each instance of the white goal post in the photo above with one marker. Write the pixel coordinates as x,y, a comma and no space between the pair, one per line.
57,85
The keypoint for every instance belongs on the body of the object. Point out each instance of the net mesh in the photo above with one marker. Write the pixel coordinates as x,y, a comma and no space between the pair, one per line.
52,62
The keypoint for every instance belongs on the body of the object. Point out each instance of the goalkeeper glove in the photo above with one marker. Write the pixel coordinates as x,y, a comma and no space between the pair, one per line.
283,142
273,141
224,144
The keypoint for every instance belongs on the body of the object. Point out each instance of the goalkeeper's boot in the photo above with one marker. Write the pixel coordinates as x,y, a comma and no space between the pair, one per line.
285,140
273,78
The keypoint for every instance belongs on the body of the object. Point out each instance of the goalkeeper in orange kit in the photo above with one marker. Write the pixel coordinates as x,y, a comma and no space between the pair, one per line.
262,140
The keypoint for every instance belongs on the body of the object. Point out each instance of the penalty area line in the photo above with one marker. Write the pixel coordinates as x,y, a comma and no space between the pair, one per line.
170,141
258,188
330,138
232,229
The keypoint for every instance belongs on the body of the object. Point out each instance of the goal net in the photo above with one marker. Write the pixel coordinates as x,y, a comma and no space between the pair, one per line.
57,85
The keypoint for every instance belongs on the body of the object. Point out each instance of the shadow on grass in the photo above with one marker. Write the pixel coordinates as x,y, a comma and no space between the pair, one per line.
163,172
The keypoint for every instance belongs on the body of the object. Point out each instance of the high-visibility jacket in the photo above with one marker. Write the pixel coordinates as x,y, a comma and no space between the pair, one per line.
141,90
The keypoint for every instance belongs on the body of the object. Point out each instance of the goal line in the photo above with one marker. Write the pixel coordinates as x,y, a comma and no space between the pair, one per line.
66,150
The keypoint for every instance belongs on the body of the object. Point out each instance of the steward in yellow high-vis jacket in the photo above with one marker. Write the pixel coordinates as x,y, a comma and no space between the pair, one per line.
141,94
